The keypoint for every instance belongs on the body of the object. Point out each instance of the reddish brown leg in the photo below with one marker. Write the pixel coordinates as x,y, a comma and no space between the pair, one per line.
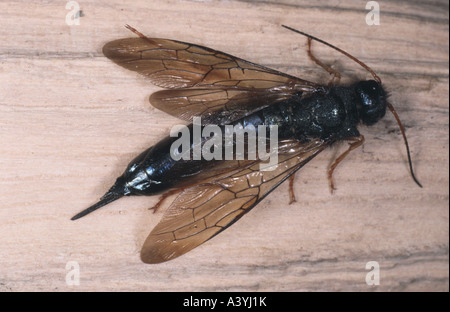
335,73
291,190
137,32
354,143
163,198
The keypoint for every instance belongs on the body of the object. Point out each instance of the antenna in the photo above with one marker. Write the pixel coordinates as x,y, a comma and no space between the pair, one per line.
391,108
370,70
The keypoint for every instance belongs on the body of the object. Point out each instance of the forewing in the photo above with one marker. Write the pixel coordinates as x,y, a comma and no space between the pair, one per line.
176,64
218,106
204,210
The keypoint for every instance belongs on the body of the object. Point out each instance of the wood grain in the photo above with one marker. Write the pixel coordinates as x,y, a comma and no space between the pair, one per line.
71,120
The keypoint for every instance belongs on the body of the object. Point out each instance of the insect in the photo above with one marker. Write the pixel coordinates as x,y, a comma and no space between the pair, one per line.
223,89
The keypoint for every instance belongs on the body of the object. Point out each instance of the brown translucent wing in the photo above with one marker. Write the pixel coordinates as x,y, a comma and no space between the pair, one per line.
218,106
176,64
216,169
204,210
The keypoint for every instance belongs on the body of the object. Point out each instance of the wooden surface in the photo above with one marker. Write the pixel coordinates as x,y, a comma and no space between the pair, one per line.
71,120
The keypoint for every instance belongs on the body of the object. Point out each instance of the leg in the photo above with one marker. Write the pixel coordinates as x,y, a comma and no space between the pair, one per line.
330,70
291,190
163,198
354,143
135,31
150,41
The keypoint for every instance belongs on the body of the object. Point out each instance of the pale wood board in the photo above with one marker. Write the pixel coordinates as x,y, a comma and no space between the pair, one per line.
71,120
